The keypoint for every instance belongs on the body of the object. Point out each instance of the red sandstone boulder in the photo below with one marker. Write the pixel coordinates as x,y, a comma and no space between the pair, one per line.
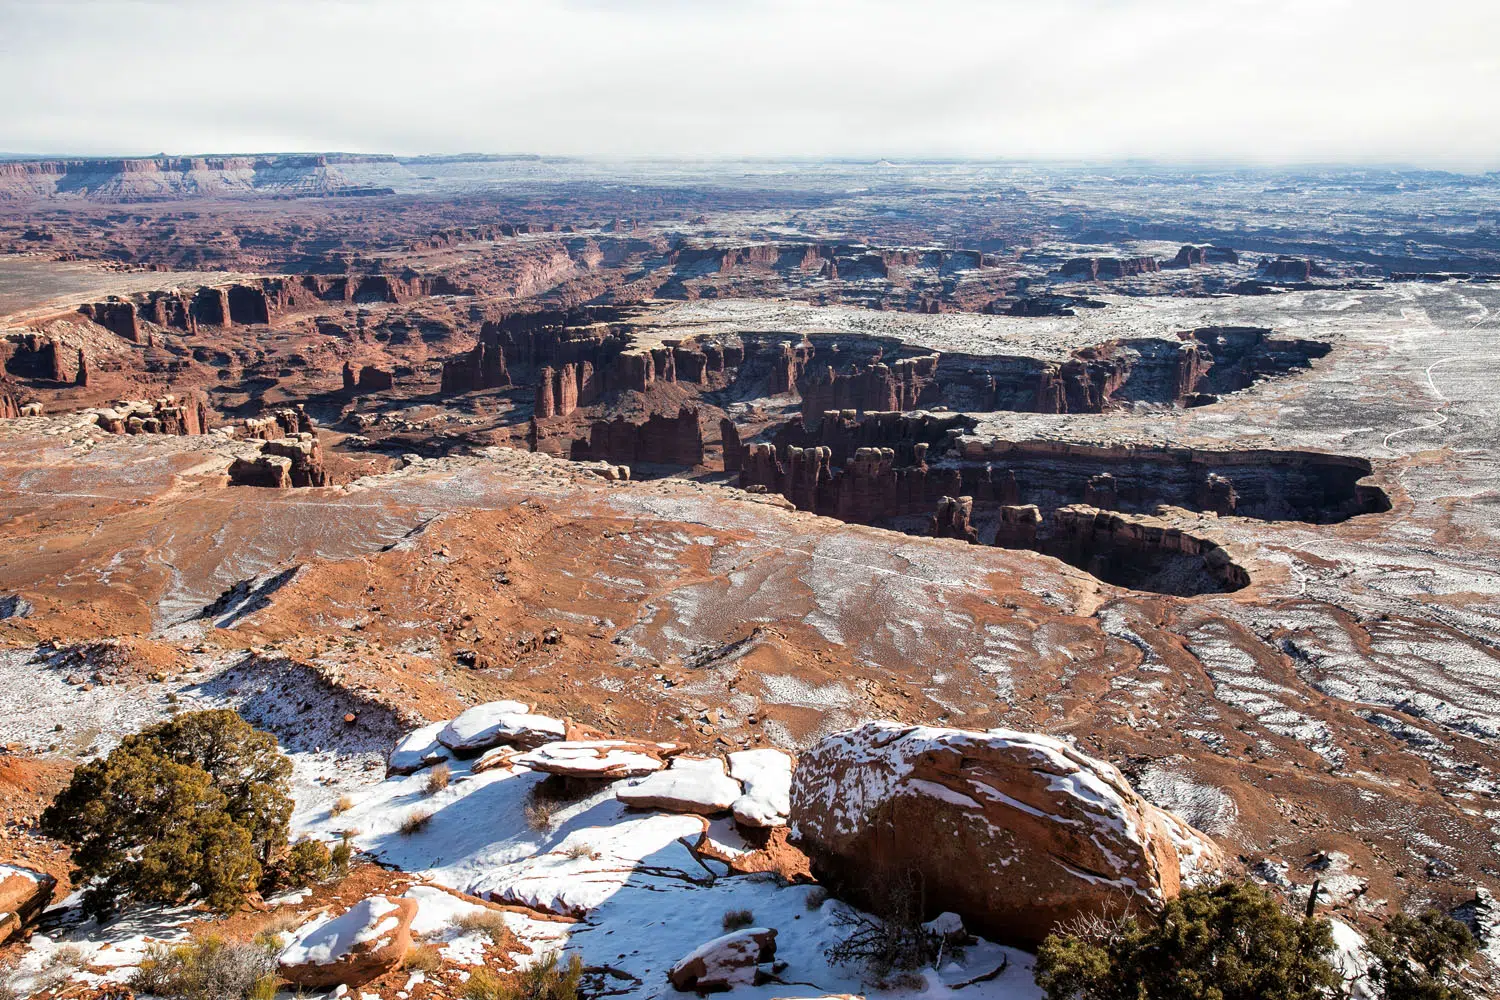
24,894
363,943
725,961
1016,832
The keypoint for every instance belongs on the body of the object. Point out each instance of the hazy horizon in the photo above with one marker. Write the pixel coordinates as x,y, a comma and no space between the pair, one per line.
1275,83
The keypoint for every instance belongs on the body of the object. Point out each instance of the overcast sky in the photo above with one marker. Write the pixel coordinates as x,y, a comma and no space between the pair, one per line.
1246,80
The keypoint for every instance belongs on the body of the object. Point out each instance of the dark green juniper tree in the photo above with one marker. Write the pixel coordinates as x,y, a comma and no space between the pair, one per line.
192,808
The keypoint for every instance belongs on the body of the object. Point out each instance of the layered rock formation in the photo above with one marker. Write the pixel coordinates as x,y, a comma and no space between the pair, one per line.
1103,268
164,415
1016,832
660,439
24,894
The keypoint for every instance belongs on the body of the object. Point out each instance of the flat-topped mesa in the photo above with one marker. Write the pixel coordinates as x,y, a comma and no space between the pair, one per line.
367,379
1103,268
660,440
1196,256
1292,269
253,303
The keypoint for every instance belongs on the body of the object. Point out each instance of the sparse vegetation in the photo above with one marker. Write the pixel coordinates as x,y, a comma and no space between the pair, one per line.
341,805
194,807
437,779
736,919
539,815
579,851
415,822
207,968
546,979
893,942
488,922
1229,942
342,854
1419,958
423,958
305,862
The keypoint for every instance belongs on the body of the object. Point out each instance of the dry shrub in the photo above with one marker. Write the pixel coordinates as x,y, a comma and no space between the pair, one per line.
341,805
546,979
540,815
415,822
736,919
208,968
488,922
437,779
580,851
423,958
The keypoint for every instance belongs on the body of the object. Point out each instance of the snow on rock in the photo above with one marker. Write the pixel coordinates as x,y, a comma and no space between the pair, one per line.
691,785
725,961
591,864
496,722
1014,831
365,942
417,749
767,777
598,758
1351,958
24,894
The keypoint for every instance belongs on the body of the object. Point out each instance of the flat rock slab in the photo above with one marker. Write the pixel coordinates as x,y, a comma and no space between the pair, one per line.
417,749
500,722
767,777
363,943
610,759
690,785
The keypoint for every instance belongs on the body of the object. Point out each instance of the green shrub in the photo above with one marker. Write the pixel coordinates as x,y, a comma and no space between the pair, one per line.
340,856
208,968
305,862
1418,958
193,807
1228,942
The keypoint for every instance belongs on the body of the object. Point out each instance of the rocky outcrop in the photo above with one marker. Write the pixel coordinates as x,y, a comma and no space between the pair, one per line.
164,415
733,450
1291,269
266,471
481,368
24,894
902,385
1142,552
365,942
279,423
690,785
117,316
10,407
725,962
305,456
951,519
1103,268
1016,832
373,379
660,440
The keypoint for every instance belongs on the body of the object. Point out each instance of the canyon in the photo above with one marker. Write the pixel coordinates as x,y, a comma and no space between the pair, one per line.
704,460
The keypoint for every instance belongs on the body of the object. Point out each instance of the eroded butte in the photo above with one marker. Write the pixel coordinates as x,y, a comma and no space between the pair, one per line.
745,467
